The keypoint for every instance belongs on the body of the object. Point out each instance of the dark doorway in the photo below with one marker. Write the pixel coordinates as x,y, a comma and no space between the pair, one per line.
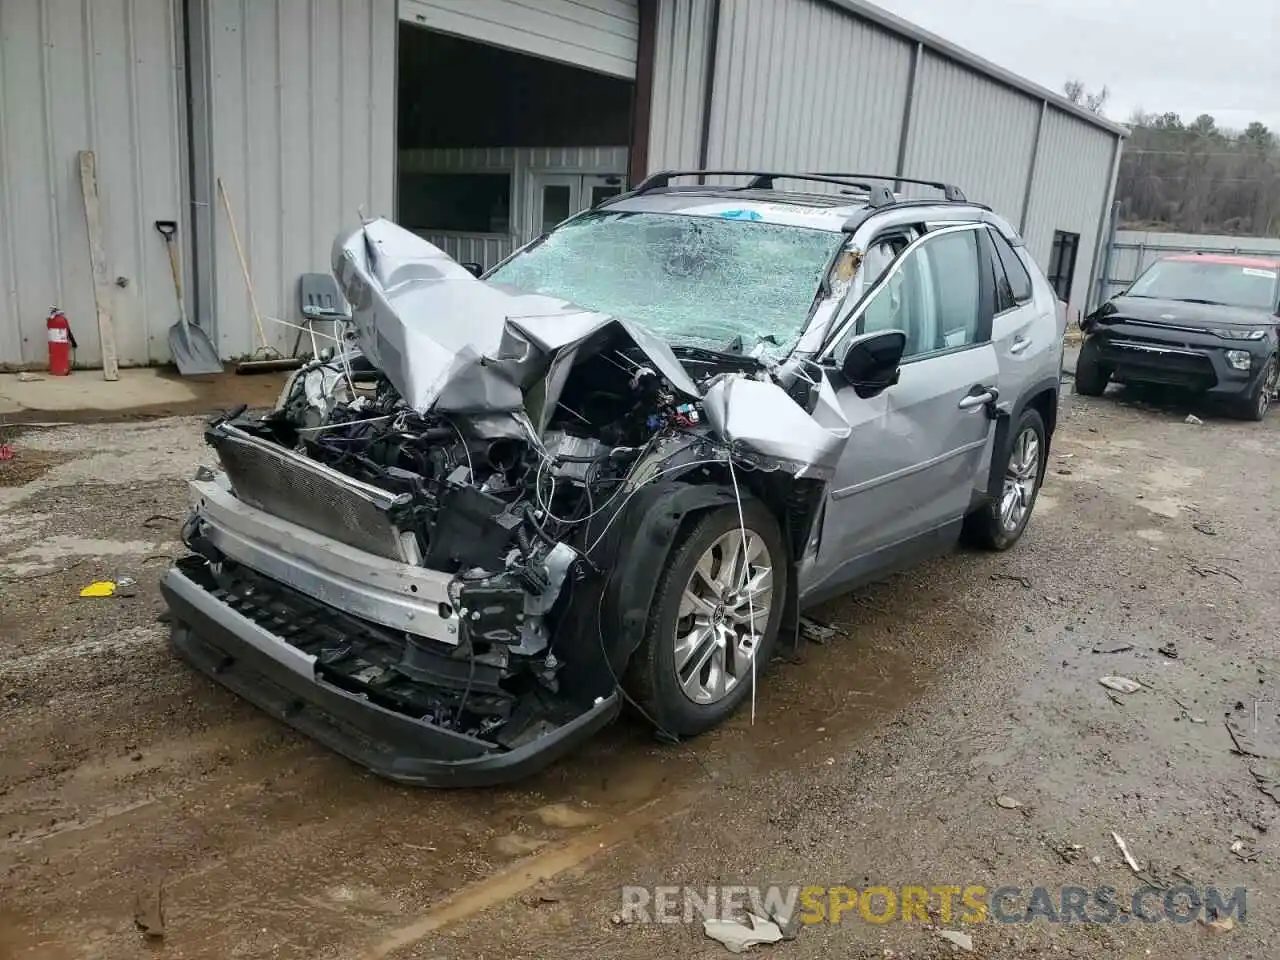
460,93
494,146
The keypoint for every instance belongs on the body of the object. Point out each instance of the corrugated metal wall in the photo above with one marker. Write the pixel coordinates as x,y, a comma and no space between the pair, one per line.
972,132
102,75
1069,193
814,84
1135,250
303,133
681,45
596,34
800,85
467,159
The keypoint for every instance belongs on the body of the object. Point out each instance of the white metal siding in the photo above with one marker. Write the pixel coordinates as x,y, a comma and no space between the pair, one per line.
598,35
1069,193
1135,250
102,75
681,44
800,85
972,132
478,159
486,249
303,116
523,163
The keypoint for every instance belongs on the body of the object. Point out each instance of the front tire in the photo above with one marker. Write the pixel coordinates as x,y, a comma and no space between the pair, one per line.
1092,376
1258,402
698,660
999,525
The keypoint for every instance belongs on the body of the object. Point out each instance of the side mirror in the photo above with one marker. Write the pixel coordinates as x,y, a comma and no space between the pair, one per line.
475,269
870,363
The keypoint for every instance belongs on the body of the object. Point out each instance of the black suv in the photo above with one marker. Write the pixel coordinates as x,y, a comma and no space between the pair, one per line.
1204,322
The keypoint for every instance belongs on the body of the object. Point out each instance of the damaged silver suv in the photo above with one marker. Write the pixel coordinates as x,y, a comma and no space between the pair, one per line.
616,467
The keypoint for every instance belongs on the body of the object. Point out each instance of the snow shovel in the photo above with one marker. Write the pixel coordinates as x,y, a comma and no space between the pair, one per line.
192,352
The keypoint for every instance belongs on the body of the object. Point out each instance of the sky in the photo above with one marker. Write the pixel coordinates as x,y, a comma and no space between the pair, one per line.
1180,56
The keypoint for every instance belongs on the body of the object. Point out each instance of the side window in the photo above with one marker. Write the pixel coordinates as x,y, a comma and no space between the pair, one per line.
1015,272
1004,292
932,295
954,260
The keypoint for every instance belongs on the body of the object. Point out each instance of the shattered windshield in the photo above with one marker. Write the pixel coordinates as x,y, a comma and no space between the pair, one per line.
696,281
1231,284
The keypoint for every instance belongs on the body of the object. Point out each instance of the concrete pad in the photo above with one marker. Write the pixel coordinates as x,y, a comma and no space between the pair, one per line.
86,390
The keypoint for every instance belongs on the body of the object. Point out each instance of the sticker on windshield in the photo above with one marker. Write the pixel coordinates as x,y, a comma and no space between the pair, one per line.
1255,272
740,215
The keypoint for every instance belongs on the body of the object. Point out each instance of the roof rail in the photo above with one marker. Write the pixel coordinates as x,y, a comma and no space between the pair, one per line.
950,192
880,195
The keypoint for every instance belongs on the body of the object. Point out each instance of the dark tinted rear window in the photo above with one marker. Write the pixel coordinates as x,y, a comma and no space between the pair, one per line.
1019,279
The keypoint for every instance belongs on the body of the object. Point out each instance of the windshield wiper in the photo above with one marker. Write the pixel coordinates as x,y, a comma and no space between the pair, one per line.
1151,296
707,355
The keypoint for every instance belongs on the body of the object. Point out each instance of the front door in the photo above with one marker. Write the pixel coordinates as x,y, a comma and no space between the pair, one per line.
558,196
920,450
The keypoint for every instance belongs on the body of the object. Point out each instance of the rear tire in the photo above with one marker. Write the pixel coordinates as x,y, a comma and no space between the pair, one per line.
1258,402
999,525
1092,376
675,676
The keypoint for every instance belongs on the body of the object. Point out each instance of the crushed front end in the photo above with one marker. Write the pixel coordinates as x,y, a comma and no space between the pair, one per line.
448,589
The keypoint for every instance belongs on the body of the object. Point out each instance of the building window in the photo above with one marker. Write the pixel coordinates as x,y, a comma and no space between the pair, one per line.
1062,263
462,202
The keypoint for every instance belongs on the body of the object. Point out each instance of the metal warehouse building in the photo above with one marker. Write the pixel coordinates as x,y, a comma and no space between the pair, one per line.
473,122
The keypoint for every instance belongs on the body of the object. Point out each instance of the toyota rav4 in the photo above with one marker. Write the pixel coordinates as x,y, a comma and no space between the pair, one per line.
616,467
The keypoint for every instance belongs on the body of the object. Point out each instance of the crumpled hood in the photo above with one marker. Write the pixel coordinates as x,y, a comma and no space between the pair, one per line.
458,345
450,342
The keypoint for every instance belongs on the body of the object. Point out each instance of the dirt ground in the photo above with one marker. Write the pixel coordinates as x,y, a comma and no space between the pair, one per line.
131,786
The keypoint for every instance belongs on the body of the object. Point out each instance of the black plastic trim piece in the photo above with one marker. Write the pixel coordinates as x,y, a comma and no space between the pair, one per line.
389,744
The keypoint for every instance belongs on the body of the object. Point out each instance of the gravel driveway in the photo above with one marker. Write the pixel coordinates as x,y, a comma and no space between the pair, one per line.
874,760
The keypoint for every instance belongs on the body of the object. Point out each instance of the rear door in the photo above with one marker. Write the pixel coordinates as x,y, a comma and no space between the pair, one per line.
919,450
1020,341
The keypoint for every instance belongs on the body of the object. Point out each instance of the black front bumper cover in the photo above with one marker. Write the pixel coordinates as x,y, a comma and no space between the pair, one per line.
263,669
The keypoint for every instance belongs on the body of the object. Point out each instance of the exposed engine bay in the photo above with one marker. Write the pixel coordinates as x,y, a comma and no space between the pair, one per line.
511,519
513,460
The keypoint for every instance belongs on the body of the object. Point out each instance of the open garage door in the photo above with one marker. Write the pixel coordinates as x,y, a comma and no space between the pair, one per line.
599,35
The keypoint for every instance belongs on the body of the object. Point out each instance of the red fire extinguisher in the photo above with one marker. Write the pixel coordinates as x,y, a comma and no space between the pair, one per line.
61,343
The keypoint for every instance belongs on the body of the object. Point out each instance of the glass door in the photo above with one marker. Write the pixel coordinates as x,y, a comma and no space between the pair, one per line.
597,189
558,196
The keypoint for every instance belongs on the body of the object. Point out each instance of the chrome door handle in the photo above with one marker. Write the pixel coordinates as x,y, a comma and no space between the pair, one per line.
977,400
1019,344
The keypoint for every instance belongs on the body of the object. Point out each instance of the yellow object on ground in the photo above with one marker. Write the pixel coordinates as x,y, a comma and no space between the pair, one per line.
99,588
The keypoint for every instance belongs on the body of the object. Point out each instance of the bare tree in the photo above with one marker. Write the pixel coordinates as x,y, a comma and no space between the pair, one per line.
1077,93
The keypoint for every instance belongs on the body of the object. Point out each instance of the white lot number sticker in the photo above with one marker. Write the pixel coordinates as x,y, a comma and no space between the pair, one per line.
1255,272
